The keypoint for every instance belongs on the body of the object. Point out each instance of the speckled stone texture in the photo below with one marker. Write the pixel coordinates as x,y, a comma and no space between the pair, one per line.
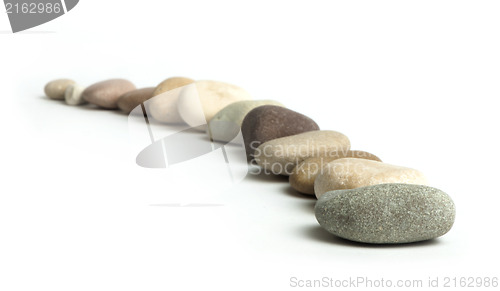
226,124
281,155
130,100
350,173
269,122
304,174
105,94
386,213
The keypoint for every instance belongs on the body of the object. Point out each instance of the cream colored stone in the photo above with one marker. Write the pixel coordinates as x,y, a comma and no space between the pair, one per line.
281,155
226,124
350,173
73,95
163,105
199,102
304,174
55,89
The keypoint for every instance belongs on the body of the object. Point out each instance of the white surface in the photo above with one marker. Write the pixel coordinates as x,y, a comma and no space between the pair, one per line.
414,82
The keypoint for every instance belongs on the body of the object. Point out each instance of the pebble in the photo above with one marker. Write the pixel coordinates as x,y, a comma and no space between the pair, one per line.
130,100
55,89
163,106
199,102
281,155
269,122
304,174
73,95
386,213
105,94
350,173
226,124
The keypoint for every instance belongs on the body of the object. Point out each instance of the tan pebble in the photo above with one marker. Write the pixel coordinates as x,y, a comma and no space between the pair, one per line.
130,100
55,89
73,95
281,155
350,173
163,105
105,94
304,174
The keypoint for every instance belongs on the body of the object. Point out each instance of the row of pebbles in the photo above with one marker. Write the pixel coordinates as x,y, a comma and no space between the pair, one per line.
360,198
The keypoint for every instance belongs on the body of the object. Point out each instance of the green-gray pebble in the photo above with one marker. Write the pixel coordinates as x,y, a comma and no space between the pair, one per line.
386,213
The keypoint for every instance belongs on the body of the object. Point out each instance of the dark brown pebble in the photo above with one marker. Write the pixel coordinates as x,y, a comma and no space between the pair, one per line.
269,122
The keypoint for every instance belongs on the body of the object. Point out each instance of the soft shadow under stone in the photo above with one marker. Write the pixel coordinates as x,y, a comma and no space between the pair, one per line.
185,145
319,234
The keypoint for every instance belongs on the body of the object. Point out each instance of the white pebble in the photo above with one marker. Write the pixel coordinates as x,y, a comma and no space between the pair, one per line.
73,95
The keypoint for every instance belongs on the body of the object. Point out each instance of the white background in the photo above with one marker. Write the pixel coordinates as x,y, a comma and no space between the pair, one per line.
414,82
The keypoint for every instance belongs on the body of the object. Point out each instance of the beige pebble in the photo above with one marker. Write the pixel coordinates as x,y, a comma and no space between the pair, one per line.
350,173
163,105
130,100
73,95
55,89
281,155
105,94
199,102
304,174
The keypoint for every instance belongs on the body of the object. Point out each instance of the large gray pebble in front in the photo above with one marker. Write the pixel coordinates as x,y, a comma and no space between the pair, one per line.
386,213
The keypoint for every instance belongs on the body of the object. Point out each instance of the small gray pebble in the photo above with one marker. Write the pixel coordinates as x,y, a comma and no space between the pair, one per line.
386,213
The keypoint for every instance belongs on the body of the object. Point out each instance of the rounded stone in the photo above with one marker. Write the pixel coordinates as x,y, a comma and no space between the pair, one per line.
55,89
73,95
304,174
350,173
226,124
281,155
163,105
130,100
386,213
199,102
105,94
269,122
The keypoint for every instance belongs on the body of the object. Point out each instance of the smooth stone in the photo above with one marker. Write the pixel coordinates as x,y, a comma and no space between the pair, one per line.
163,106
304,174
226,124
199,102
350,173
386,213
55,89
281,155
269,122
73,95
130,100
105,94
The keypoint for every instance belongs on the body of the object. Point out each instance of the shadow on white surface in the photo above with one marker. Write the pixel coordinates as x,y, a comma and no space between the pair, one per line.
319,234
187,205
